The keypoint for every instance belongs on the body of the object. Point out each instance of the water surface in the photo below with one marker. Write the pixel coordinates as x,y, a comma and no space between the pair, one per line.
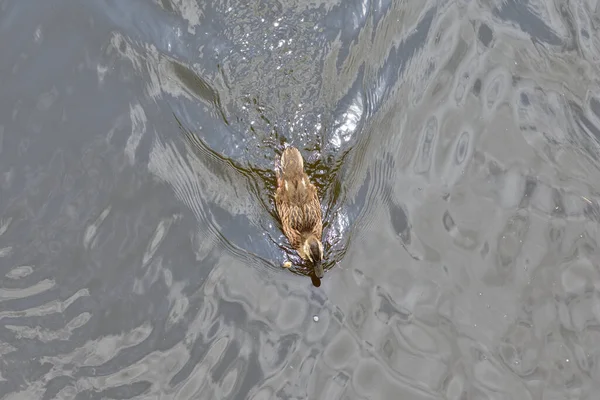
456,148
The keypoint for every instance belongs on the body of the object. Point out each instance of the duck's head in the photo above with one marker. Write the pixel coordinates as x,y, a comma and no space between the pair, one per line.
313,248
292,163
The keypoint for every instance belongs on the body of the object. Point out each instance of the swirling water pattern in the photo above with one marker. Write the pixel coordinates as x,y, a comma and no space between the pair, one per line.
456,145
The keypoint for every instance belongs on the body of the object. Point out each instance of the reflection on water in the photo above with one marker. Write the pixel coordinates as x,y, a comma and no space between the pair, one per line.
456,146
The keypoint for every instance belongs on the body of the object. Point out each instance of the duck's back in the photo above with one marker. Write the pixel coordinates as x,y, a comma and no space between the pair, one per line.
298,205
296,199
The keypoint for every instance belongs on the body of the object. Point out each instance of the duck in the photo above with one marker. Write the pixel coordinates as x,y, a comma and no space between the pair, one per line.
299,209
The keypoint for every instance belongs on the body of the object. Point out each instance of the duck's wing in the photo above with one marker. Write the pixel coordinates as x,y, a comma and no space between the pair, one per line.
288,215
299,219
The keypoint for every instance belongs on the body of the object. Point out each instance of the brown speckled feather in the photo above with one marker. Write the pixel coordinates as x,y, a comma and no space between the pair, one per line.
297,203
299,219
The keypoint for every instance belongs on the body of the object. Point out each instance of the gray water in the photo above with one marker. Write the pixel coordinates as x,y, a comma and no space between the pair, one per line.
455,144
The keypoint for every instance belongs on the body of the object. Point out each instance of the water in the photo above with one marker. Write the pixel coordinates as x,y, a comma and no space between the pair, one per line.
456,148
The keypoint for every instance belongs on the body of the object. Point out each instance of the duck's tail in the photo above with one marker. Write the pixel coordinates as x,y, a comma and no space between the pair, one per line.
291,162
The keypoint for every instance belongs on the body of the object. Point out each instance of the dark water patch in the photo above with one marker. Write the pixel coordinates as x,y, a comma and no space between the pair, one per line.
400,222
55,385
400,56
595,106
477,87
485,35
529,22
200,87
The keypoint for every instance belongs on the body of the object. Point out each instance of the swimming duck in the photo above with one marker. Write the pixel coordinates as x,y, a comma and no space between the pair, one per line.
299,209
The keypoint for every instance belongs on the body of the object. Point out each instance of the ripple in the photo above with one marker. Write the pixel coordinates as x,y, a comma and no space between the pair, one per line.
494,91
20,293
462,147
466,78
346,127
425,155
455,146
92,230
159,235
197,182
530,20
44,335
19,272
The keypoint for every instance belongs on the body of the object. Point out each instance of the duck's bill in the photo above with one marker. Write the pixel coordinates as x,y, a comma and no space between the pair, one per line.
318,269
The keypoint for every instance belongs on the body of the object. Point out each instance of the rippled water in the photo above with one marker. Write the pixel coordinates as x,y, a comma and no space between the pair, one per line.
456,145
